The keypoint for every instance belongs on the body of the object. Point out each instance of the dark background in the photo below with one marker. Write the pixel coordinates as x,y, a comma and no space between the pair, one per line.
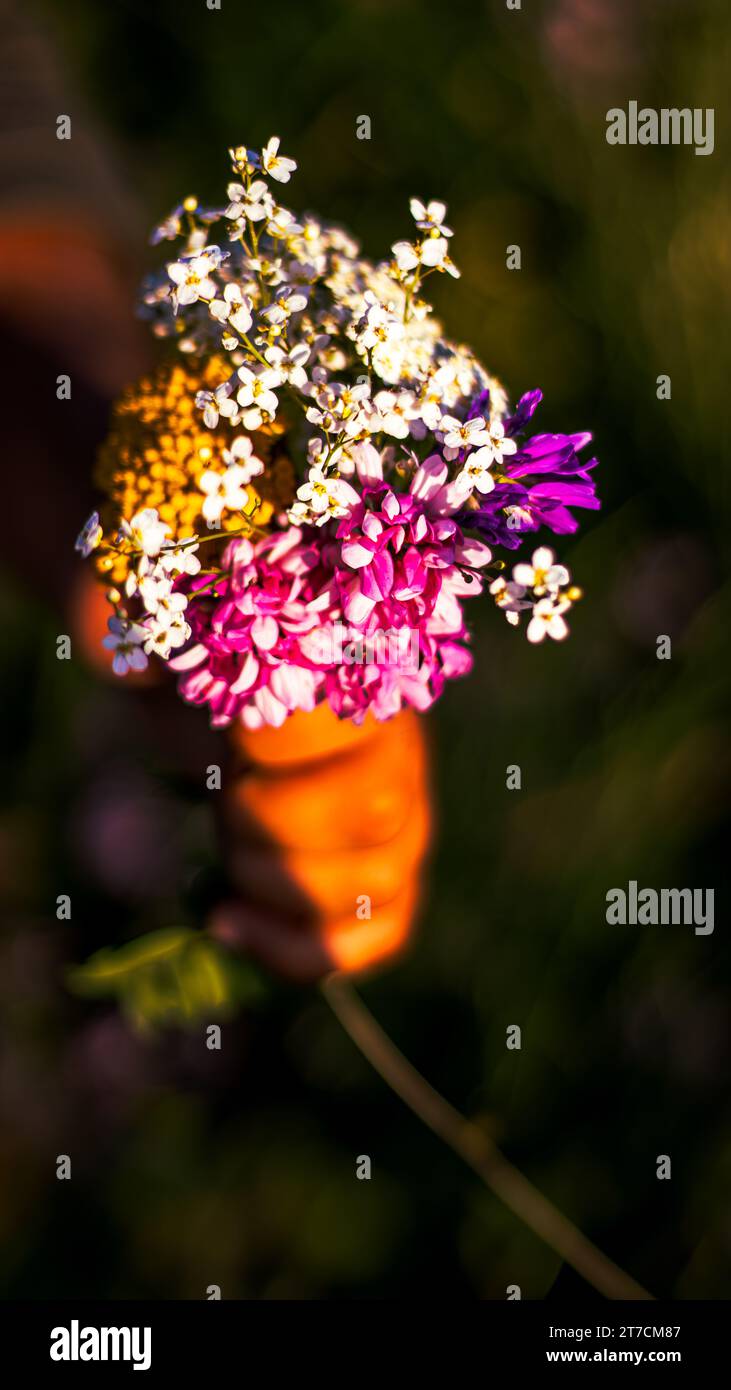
237,1168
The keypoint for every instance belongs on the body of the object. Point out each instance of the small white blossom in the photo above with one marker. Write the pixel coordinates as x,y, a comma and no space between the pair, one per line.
233,308
395,410
191,278
196,241
547,620
435,254
180,559
433,250
256,394
164,632
254,203
275,164
125,639
281,224
406,255
378,324
137,573
542,575
215,403
290,365
287,301
464,434
339,408
324,497
158,596
510,597
241,454
430,217
146,531
498,443
223,490
476,471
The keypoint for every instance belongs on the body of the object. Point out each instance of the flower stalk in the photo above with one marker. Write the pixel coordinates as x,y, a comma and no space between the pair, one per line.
470,1142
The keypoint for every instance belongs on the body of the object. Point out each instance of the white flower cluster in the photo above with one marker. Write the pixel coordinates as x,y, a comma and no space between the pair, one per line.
309,325
158,563
541,587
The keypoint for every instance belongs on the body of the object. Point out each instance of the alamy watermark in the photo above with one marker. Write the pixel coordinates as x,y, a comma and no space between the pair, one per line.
340,645
668,126
76,1343
666,906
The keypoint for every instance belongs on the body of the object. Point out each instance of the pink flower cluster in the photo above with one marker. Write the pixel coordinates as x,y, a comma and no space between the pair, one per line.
269,635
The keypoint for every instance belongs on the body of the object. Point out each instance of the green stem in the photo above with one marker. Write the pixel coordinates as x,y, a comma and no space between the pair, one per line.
476,1148
246,530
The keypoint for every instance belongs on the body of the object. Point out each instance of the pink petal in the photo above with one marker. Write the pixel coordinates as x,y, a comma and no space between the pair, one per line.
372,527
429,477
294,686
419,528
456,660
265,632
368,463
190,659
251,718
417,692
473,553
196,686
271,709
412,576
247,675
356,554
449,498
344,494
377,579
357,607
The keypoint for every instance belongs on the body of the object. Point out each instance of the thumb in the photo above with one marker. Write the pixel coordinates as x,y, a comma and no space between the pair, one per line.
303,951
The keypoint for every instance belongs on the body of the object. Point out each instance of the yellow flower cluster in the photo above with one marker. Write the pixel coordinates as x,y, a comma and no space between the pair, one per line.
158,447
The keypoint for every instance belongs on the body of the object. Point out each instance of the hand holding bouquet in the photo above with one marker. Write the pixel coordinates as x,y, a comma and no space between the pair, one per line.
298,501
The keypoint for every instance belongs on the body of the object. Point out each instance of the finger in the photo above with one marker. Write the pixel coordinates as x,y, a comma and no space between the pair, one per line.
305,953
293,950
356,945
345,802
330,883
308,737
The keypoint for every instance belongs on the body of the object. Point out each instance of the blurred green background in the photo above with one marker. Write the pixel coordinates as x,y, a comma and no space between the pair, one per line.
238,1168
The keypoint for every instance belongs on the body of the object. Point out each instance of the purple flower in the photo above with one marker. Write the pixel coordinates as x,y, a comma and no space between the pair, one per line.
537,486
523,412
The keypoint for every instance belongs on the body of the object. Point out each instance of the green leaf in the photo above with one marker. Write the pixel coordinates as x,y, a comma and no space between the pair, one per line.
167,977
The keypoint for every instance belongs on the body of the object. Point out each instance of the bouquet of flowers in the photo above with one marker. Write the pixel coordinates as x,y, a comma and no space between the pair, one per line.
298,501
304,493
